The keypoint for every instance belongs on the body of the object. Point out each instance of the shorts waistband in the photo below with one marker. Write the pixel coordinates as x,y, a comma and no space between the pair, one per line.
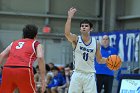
17,66
83,71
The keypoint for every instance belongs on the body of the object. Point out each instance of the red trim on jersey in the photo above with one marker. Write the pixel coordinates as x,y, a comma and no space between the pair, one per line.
36,44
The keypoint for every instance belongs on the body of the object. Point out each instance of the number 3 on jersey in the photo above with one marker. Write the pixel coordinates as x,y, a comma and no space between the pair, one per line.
85,56
20,45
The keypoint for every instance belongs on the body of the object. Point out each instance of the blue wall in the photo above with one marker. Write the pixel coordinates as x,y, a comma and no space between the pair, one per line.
126,42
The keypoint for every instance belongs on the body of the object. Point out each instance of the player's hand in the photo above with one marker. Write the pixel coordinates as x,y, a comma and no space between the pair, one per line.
71,12
43,88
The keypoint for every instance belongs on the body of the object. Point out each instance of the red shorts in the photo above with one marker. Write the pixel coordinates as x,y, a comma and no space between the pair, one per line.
21,78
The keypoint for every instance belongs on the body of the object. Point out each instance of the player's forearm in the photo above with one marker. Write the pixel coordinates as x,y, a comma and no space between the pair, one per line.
41,64
68,27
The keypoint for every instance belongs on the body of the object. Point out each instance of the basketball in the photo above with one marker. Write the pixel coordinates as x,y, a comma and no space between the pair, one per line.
114,62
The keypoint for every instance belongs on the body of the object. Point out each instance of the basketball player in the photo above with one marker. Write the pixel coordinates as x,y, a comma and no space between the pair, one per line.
104,75
18,70
85,49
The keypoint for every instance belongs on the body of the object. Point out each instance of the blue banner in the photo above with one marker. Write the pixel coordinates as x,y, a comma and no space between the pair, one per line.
127,42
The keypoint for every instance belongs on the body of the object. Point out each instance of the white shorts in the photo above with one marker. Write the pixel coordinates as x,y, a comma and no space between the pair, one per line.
82,82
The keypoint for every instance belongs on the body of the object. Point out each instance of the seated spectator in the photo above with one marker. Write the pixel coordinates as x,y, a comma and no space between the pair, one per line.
51,65
38,77
49,74
64,87
34,70
71,65
57,80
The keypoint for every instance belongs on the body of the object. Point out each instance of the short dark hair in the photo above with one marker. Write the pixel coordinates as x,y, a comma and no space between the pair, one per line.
86,21
30,31
51,63
47,67
55,68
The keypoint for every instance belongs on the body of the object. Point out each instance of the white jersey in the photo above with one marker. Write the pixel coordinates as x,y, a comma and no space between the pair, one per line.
84,55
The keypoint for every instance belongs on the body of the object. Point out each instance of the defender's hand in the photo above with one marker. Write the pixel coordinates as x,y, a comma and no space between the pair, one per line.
43,87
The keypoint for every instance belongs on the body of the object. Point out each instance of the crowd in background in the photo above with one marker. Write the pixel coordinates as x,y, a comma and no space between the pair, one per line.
57,78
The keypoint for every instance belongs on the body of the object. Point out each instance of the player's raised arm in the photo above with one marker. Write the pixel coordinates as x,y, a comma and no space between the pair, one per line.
71,37
99,57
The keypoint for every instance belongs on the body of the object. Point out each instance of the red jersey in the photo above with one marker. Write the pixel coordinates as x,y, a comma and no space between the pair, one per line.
22,53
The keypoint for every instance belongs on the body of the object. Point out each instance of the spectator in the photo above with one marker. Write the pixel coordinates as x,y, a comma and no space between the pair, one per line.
34,70
38,77
71,66
103,73
51,65
49,74
57,80
64,88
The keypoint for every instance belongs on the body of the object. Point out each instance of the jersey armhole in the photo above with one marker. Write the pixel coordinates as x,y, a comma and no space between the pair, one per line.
35,45
76,43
